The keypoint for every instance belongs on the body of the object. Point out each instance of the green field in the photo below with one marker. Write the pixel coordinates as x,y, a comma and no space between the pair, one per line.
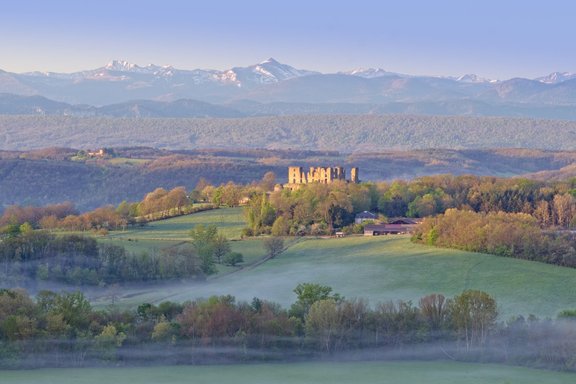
229,221
332,373
376,268
171,232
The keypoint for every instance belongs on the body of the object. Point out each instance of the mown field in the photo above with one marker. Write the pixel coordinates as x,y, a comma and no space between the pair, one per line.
333,373
377,268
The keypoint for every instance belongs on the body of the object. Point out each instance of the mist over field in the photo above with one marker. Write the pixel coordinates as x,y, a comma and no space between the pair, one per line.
333,372
377,270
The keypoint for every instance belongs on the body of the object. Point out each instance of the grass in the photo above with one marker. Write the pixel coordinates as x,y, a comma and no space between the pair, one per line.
390,268
376,268
170,232
333,373
229,221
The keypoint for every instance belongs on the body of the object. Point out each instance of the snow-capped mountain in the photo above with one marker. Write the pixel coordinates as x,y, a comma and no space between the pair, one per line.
267,72
557,77
270,81
369,73
125,66
473,78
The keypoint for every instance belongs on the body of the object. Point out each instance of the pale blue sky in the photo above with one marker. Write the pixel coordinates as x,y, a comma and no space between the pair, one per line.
492,38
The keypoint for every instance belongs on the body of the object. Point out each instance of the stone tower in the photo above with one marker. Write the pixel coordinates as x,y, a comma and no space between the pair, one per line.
354,176
296,176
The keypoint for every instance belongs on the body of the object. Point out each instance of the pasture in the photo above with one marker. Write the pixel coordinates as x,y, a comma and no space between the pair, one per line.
175,231
229,221
333,373
376,268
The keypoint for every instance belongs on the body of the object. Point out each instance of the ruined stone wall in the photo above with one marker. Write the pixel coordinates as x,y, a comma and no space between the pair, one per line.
323,175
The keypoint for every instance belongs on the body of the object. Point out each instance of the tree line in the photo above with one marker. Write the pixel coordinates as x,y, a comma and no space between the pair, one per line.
517,235
319,208
156,205
39,256
62,329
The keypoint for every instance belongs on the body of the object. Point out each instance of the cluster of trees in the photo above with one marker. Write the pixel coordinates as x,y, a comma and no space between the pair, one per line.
553,204
41,256
313,209
212,248
16,215
65,330
515,235
156,205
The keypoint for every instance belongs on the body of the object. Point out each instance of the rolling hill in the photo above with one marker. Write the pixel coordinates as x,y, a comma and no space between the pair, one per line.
375,268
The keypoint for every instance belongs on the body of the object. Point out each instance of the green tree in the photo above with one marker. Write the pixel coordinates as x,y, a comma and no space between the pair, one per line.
163,330
324,323
220,248
259,213
309,293
280,227
473,315
26,228
108,341
233,258
75,310
203,242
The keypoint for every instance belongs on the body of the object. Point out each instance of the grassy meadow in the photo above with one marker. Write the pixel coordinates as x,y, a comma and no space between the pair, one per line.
333,373
376,268
175,231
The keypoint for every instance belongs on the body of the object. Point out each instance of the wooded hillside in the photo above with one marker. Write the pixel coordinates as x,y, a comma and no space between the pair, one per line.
54,175
349,133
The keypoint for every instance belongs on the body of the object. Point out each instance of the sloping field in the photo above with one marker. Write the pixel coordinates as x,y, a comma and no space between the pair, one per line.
333,373
229,221
166,233
378,269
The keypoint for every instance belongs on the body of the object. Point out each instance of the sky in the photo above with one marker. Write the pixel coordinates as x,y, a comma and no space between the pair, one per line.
497,39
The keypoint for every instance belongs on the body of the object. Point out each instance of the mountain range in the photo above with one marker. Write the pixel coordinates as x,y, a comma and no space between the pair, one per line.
122,89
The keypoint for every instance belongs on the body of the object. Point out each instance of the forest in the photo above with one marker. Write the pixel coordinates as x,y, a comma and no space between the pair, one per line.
347,133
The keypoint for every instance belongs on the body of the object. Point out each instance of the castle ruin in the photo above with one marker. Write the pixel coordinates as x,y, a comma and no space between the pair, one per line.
323,175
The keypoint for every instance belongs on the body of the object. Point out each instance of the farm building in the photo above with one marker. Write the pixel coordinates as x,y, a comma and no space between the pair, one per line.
364,216
387,229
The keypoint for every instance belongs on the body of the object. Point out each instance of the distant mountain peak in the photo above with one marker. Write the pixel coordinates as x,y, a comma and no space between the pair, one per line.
120,65
368,73
267,72
270,60
473,78
556,77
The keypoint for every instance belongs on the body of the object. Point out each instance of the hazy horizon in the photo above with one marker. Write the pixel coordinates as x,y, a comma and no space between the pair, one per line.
491,39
